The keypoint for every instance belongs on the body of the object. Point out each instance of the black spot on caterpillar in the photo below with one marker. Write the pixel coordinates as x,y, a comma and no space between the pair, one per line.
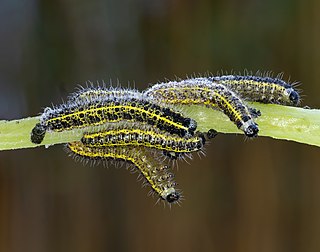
202,91
94,110
152,169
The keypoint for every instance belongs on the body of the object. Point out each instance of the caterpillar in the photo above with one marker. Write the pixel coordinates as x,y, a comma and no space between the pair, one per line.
263,89
205,92
135,134
98,110
152,169
143,136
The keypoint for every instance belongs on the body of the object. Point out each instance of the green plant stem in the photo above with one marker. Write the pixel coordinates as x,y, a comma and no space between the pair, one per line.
279,122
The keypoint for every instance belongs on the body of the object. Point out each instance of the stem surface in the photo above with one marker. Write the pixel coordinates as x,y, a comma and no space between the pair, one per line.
279,122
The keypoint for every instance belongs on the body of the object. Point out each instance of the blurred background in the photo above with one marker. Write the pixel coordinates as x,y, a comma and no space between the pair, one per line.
260,195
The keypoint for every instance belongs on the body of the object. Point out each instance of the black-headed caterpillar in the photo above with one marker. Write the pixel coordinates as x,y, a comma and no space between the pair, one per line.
136,135
152,169
204,92
98,110
263,89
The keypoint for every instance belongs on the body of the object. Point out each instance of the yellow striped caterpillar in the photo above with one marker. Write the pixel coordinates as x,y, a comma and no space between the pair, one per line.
143,135
263,89
151,168
205,92
96,110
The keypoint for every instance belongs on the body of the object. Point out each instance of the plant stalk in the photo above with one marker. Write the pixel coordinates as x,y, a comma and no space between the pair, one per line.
279,122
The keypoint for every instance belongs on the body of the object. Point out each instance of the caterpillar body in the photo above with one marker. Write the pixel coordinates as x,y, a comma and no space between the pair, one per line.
152,169
144,135
205,92
263,89
97,110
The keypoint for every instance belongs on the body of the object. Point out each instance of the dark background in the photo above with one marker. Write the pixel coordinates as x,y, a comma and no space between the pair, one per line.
260,195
